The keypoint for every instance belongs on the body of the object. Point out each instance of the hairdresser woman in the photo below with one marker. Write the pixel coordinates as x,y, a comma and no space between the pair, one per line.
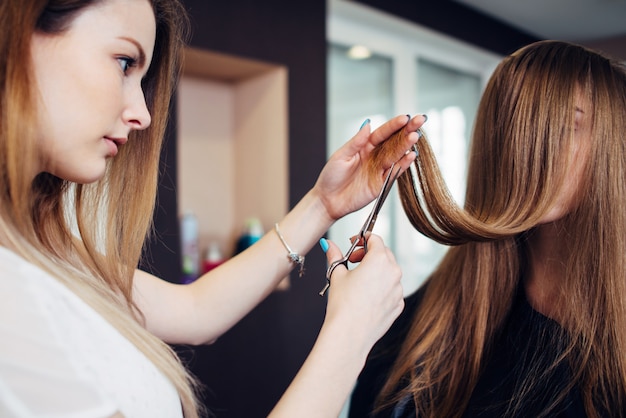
85,87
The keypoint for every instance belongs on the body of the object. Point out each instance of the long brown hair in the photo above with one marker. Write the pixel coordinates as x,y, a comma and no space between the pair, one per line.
40,219
523,130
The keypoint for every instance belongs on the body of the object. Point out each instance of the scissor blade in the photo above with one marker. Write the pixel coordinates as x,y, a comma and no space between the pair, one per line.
382,196
388,185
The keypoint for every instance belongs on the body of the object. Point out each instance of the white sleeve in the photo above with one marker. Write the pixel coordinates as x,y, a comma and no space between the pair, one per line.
37,376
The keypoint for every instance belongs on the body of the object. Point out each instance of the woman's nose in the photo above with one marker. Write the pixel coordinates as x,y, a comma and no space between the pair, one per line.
136,115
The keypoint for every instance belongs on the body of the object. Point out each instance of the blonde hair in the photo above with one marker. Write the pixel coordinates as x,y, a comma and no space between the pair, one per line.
114,215
523,130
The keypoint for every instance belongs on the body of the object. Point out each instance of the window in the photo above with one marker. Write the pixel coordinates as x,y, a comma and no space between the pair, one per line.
410,70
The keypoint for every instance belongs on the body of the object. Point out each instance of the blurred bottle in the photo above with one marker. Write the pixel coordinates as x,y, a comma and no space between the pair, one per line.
212,258
189,247
252,232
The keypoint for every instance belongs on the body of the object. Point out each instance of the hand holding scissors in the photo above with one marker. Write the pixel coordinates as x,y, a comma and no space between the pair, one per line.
368,226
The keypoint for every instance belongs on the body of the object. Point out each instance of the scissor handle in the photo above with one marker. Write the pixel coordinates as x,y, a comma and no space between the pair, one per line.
333,266
329,272
343,261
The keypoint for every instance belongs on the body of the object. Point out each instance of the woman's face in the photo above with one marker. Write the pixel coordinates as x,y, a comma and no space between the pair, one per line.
570,193
89,83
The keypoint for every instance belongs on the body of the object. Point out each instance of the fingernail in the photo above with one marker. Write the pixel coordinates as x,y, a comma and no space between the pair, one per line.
324,244
365,122
425,117
408,116
415,151
420,134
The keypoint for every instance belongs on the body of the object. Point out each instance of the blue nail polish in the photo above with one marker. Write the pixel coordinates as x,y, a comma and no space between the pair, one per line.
324,244
365,122
425,117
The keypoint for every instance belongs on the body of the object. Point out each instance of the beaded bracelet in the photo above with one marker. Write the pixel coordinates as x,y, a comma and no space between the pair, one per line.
293,256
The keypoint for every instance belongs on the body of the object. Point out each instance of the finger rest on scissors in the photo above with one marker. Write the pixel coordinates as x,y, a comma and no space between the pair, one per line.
329,273
333,266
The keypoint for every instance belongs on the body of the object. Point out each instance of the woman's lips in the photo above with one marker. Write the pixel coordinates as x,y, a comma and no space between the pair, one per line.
114,144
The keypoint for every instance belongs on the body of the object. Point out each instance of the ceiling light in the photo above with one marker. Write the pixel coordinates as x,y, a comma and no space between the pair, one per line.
359,52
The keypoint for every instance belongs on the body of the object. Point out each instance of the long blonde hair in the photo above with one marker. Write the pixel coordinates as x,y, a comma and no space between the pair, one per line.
114,215
523,130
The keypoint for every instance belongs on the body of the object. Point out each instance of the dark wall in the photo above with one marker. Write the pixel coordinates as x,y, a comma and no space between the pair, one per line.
162,251
247,369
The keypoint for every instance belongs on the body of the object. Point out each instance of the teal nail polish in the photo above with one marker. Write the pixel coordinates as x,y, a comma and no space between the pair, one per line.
324,244
365,122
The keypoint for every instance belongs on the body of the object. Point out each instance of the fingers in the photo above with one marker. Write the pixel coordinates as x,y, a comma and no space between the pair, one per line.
370,296
397,147
393,125
375,243
406,161
357,142
387,129
332,252
416,122
359,252
398,134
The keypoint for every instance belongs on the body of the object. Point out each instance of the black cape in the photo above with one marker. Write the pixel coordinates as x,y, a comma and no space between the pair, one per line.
525,343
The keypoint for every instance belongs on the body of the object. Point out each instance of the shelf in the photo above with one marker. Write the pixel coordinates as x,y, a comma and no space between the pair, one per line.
232,144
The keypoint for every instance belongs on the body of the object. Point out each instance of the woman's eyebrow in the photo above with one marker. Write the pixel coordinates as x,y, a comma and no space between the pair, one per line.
141,60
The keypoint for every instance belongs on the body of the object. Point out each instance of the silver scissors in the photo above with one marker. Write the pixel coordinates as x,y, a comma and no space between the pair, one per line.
367,226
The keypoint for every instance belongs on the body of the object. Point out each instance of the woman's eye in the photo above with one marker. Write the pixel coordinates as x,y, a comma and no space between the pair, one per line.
126,63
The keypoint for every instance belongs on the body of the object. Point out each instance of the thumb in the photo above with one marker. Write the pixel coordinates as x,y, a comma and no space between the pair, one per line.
357,142
331,249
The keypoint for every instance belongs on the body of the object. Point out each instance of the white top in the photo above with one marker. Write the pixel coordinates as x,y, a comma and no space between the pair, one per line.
60,359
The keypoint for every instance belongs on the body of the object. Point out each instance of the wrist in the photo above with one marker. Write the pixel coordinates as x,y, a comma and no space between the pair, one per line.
293,256
318,206
302,227
348,341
